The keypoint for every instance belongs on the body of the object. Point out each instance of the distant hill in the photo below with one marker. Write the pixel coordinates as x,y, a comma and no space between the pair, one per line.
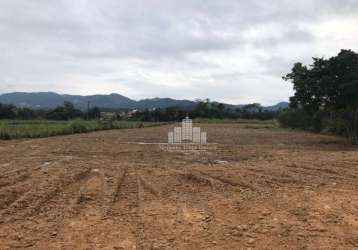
278,106
112,101
164,103
50,100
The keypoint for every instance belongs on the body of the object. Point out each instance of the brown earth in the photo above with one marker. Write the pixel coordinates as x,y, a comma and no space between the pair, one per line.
277,190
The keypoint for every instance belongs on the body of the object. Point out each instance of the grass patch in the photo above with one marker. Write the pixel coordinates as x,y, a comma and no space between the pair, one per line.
241,121
13,129
245,123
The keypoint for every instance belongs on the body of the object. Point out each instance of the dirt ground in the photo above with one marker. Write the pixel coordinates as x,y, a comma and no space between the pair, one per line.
258,189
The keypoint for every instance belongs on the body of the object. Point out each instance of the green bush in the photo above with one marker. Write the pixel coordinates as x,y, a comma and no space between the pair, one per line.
343,122
296,119
106,124
320,121
347,119
78,127
4,135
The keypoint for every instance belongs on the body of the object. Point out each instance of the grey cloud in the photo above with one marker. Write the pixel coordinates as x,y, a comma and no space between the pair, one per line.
135,47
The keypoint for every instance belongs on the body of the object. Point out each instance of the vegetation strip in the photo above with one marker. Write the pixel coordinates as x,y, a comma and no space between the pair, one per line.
10,129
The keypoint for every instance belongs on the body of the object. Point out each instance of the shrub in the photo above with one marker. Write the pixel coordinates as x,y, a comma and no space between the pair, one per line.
78,127
347,119
296,119
106,124
319,121
4,135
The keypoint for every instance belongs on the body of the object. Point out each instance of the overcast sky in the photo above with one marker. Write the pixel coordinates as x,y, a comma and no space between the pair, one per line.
234,51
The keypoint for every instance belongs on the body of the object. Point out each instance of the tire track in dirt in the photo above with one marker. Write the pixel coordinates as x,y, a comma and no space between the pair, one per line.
142,238
89,192
37,205
6,181
322,175
188,183
147,185
272,179
62,187
177,181
321,170
196,179
231,182
192,177
120,181
9,195
156,215
85,208
330,166
32,200
97,187
124,208
141,199
183,209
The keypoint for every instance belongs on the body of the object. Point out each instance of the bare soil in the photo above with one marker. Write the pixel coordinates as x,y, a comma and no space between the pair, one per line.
259,189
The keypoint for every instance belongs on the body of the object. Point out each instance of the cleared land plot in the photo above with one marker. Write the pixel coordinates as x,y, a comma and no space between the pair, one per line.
278,190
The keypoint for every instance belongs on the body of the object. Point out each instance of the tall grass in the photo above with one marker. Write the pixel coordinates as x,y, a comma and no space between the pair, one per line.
12,129
237,121
242,123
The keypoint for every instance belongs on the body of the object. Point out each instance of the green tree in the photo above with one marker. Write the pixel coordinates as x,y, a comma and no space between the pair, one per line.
7,111
94,113
328,86
26,113
65,112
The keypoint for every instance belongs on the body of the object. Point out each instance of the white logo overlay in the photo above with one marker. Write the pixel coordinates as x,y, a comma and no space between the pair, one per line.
186,138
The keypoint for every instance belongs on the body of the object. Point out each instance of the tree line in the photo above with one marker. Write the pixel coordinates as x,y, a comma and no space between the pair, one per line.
202,109
206,109
326,96
65,112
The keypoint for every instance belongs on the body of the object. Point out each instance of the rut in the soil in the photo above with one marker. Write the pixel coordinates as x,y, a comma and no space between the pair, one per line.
120,181
231,182
9,180
32,201
149,186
